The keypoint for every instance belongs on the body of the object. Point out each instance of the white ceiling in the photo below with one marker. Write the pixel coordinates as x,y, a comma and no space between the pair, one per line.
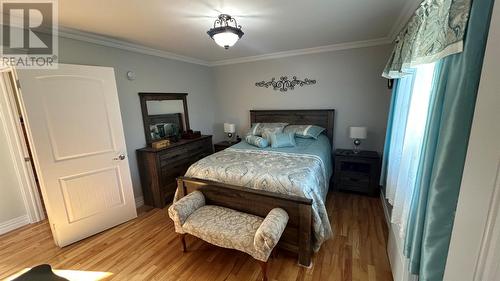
270,26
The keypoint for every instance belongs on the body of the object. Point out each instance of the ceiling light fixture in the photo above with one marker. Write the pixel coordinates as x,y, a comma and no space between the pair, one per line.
223,33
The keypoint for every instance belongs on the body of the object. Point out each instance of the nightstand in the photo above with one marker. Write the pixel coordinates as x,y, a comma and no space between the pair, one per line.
224,144
357,172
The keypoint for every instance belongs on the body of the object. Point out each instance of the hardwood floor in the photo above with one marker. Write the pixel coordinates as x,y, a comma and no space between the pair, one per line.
148,249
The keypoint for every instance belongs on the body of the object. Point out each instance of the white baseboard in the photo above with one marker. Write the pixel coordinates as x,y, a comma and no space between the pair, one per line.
139,201
386,210
399,263
13,224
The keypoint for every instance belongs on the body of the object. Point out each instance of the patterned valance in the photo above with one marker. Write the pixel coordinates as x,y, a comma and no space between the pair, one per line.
435,31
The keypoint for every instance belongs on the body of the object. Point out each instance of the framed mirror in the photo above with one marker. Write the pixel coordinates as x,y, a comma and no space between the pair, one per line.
165,115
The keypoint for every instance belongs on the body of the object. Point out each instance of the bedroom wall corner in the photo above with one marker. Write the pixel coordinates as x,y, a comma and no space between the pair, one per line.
13,212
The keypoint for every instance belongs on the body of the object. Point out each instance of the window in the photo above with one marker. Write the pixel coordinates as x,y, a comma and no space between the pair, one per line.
413,95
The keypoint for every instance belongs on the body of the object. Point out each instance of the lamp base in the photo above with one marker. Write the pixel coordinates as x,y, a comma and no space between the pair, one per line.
357,143
230,138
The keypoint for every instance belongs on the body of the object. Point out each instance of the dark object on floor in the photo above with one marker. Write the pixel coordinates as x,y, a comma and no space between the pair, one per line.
40,273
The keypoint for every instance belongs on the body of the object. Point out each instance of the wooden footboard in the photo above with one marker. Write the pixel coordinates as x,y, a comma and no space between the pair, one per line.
297,236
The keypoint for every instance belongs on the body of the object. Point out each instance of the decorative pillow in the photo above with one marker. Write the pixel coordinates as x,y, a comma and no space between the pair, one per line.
304,131
282,140
258,128
267,132
257,141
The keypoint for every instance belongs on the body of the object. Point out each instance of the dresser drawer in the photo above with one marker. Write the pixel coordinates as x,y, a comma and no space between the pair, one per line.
196,147
159,169
187,151
168,178
201,155
175,169
195,152
173,155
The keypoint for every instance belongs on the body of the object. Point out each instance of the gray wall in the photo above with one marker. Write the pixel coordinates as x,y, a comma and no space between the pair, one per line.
153,74
11,201
348,81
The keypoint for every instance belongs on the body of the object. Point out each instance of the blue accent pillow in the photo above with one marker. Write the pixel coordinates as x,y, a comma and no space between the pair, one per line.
258,128
256,141
282,140
267,132
304,131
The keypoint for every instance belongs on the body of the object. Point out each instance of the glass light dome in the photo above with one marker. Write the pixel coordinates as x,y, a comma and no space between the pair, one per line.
226,39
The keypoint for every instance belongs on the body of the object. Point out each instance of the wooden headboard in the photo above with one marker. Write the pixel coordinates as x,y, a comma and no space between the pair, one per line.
320,117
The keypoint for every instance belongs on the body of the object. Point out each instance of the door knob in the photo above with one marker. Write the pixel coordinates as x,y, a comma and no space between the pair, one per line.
120,157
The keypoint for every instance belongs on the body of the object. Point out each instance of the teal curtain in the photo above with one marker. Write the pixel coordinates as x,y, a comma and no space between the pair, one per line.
388,134
439,176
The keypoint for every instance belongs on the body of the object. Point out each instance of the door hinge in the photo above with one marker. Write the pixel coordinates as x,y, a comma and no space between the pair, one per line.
18,84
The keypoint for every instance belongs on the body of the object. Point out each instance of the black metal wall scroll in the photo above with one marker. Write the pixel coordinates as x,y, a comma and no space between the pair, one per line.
283,84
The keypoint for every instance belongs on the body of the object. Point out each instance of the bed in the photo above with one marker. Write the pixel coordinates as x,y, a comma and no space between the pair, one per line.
255,180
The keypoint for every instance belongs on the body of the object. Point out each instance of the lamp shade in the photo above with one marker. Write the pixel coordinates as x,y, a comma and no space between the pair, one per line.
357,132
229,128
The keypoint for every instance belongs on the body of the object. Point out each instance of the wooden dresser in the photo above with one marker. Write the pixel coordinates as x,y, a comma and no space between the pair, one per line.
159,168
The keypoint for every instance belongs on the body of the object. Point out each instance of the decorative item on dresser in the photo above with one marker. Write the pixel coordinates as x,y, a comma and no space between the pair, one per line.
225,144
161,164
160,167
358,172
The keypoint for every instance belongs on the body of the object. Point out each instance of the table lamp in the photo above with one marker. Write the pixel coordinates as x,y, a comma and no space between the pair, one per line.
229,129
357,134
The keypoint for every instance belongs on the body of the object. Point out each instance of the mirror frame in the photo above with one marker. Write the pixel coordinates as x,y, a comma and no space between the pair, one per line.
146,119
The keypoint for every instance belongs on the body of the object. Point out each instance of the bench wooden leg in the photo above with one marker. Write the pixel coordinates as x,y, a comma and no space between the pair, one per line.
274,253
263,266
182,237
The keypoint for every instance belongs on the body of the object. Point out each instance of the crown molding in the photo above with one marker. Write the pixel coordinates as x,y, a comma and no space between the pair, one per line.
403,17
120,44
307,51
409,8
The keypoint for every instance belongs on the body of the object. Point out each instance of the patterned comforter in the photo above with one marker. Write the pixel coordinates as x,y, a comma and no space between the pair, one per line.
299,172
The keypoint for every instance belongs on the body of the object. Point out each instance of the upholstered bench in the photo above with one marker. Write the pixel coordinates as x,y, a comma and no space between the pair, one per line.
228,228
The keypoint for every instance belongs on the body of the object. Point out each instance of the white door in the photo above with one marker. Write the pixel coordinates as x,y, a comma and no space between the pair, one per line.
75,130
